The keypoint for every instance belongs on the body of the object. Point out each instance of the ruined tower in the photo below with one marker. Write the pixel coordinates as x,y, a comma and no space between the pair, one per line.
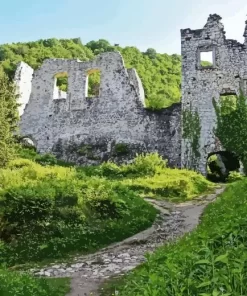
202,81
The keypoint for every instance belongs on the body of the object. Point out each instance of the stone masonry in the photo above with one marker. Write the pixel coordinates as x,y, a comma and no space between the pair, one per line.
116,125
113,126
200,84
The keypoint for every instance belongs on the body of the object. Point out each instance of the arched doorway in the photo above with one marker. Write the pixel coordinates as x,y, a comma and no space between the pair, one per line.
220,164
27,142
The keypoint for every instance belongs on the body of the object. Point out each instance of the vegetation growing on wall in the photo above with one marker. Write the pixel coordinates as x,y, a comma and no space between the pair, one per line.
231,128
191,135
160,73
121,149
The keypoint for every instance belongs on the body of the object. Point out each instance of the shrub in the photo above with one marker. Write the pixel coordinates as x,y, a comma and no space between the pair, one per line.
174,184
234,176
19,163
145,164
104,198
121,149
110,170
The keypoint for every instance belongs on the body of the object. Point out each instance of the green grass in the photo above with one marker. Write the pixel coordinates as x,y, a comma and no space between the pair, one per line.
149,176
211,261
48,213
16,284
50,210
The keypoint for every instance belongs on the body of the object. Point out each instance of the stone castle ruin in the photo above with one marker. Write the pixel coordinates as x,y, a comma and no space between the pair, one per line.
226,75
115,125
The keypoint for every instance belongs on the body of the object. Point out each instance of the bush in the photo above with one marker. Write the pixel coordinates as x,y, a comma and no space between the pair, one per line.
142,165
110,170
121,149
145,165
20,163
172,184
234,176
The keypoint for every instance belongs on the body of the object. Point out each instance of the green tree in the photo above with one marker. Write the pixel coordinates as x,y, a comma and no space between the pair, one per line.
231,126
8,117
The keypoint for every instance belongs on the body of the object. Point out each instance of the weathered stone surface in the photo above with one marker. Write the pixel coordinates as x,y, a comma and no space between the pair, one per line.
23,79
89,130
201,84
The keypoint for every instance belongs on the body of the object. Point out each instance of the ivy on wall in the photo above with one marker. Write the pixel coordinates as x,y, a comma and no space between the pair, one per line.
191,136
231,127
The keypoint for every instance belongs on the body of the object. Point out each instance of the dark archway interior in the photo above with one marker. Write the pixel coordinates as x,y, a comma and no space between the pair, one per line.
220,164
27,142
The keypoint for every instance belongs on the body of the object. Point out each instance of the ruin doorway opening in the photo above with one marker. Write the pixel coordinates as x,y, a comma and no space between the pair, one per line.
27,143
93,83
220,164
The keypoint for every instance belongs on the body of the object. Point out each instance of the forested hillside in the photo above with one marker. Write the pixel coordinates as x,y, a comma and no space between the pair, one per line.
160,73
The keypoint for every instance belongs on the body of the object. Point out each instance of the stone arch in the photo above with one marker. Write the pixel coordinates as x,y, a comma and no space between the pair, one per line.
220,163
28,141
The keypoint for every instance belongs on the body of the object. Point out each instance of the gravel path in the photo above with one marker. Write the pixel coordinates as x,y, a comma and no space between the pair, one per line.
88,272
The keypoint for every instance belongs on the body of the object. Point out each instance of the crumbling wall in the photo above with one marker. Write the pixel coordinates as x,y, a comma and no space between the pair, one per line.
23,79
201,84
113,126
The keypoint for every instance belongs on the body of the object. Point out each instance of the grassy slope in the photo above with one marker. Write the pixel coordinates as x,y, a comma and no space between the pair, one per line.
16,284
27,180
211,261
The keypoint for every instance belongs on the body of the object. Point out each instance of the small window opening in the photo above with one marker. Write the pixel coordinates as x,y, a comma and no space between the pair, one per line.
61,85
93,83
206,59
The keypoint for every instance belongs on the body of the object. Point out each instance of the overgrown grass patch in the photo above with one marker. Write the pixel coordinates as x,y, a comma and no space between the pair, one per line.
148,175
170,184
47,212
211,261
50,210
13,284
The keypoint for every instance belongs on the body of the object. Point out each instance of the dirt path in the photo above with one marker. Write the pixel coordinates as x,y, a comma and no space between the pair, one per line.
88,272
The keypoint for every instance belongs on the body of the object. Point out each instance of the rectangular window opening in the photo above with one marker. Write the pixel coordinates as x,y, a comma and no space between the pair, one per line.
93,83
60,85
206,59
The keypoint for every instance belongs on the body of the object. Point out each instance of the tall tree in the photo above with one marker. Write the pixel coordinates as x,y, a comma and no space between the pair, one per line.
231,126
8,118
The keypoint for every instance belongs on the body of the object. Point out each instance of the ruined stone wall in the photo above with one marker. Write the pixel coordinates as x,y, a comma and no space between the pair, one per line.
201,84
23,79
113,126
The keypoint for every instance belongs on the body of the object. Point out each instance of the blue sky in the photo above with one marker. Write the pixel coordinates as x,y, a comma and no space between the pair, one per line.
141,23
